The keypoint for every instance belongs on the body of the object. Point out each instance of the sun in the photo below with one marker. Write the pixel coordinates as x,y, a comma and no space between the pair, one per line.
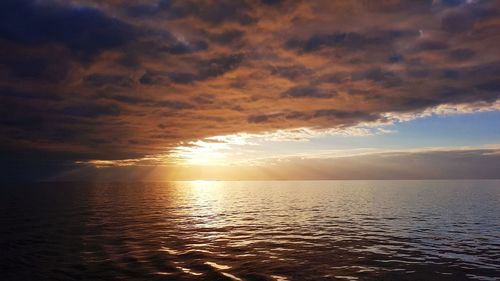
201,153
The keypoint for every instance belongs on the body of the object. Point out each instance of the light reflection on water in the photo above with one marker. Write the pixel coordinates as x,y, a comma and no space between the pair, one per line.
308,230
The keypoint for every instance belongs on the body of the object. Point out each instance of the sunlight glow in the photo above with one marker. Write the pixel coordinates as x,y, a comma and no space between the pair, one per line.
201,183
201,153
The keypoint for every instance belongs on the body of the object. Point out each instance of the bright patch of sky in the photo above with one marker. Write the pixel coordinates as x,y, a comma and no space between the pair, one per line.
460,130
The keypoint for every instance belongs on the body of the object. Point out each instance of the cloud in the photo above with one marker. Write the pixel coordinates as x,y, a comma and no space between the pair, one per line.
421,164
463,20
179,48
227,36
259,118
430,46
82,29
308,92
352,41
291,71
378,75
215,12
427,163
8,93
206,69
461,54
34,67
111,80
100,80
91,110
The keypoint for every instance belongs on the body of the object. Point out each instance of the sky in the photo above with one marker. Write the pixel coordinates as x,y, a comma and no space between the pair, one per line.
270,89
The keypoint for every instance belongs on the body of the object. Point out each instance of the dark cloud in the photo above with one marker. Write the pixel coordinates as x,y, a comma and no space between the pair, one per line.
82,29
204,99
227,36
378,75
225,11
272,2
430,46
291,72
452,3
93,79
218,66
149,78
338,77
174,104
11,93
350,40
91,110
101,80
212,12
490,86
179,48
258,118
142,10
461,54
451,74
130,99
308,92
207,69
338,114
183,77
396,59
34,67
463,20
263,118
148,102
18,117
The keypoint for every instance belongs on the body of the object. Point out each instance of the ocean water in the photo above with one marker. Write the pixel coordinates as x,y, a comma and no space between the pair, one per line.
288,230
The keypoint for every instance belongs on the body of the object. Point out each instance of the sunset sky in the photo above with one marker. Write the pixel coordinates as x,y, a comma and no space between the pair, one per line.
270,89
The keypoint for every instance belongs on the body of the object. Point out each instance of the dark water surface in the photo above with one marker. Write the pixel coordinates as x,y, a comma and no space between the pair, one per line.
306,230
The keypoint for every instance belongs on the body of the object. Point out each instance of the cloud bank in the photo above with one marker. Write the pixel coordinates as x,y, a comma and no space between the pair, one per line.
110,80
431,163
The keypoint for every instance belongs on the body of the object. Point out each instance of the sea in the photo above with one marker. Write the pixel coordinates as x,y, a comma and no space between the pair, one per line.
251,230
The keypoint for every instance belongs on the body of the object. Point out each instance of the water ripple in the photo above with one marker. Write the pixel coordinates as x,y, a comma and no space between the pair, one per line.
283,231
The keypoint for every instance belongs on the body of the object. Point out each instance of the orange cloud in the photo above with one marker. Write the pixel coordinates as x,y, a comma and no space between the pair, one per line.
120,80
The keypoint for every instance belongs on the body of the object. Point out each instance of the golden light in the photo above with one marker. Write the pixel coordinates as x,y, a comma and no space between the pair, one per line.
216,150
200,153
201,183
